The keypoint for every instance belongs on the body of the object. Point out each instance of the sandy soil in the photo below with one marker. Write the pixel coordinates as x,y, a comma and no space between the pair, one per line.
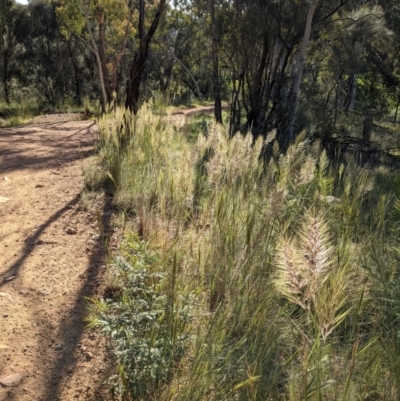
51,258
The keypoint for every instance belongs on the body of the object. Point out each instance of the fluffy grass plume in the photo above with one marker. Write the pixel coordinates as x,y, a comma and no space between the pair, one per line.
284,273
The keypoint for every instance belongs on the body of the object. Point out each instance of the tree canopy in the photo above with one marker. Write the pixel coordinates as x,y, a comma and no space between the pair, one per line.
281,64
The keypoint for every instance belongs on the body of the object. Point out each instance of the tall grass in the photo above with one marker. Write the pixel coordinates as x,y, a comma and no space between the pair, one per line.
280,280
17,113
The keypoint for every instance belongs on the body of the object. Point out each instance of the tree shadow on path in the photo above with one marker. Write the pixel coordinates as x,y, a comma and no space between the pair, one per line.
30,242
73,328
18,147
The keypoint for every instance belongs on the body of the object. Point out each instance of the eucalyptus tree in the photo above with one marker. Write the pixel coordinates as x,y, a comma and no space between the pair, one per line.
258,42
14,27
265,44
341,80
140,57
214,47
300,62
105,26
51,62
383,47
182,40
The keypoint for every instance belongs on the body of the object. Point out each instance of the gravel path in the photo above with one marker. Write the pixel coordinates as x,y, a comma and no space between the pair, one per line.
50,259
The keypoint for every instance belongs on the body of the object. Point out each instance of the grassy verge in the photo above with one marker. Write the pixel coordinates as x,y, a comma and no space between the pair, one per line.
247,281
16,114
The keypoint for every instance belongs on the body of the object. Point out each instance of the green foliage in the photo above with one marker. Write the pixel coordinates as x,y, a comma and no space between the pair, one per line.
77,49
144,320
17,113
73,16
289,267
14,28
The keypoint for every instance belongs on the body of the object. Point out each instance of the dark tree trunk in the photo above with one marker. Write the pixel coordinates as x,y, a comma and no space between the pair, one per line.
5,79
276,113
135,76
397,111
78,96
6,91
216,85
140,57
256,116
351,93
368,123
234,121
168,81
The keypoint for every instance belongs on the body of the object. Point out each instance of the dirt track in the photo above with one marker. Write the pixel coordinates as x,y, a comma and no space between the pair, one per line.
50,259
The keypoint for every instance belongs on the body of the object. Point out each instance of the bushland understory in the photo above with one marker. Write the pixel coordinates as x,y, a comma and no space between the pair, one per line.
247,279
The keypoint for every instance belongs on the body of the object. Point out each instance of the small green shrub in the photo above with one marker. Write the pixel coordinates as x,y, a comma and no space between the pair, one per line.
143,322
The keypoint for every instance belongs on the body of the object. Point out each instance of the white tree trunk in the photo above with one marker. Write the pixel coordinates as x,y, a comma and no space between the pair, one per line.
188,72
294,98
99,63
